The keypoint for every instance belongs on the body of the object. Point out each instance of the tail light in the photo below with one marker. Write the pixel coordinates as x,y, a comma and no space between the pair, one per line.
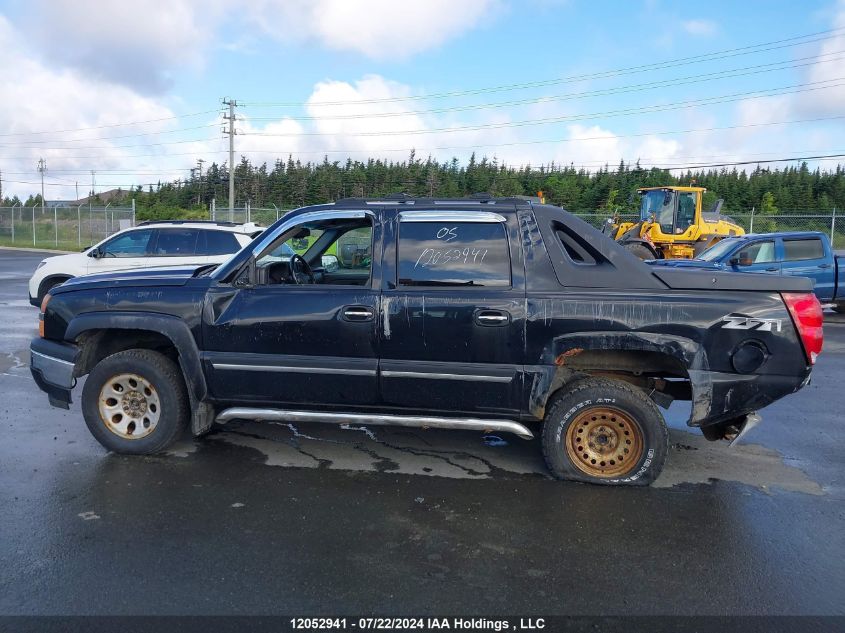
807,315
44,303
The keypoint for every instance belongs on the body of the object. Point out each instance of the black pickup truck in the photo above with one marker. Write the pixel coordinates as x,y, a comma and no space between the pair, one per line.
485,314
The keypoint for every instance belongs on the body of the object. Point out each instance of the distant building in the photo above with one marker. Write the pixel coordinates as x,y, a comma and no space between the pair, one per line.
103,197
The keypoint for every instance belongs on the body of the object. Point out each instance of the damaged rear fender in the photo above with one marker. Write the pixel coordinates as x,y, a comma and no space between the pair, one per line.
574,356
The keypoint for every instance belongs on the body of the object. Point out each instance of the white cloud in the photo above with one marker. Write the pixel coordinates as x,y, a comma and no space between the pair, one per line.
380,29
138,43
334,130
143,42
38,98
700,27
831,100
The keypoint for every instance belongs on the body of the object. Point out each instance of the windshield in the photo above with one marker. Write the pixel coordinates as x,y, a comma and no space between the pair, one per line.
718,250
661,205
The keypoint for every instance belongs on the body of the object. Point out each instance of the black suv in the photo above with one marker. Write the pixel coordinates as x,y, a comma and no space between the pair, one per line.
485,314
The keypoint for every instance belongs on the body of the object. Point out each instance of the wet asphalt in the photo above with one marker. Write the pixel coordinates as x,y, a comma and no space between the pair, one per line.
308,519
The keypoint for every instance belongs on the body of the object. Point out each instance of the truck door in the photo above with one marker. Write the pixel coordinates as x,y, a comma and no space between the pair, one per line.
311,341
757,257
451,331
806,257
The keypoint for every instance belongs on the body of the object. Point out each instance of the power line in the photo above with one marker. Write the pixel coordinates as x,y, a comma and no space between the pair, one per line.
679,81
74,147
716,55
544,167
560,140
320,152
625,159
108,138
111,125
783,90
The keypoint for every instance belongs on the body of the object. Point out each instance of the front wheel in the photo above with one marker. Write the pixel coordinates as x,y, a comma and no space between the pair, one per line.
135,402
605,431
640,250
47,285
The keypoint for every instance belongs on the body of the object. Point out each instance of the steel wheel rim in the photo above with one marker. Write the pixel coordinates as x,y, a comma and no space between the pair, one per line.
129,406
604,442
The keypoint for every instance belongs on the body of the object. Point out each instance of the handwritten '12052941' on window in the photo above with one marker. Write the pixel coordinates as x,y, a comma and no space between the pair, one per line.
434,256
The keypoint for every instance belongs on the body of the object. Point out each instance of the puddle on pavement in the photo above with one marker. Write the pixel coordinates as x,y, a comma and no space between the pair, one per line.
13,360
692,459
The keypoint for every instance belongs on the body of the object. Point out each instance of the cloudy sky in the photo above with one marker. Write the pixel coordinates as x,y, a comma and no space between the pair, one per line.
133,90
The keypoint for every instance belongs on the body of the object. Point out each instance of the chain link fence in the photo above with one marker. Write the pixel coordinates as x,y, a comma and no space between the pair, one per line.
74,228
64,228
262,216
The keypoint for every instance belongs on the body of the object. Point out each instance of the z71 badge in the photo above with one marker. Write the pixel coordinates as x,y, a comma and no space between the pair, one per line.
751,323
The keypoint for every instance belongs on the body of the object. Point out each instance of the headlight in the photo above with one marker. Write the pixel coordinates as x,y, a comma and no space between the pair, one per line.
41,263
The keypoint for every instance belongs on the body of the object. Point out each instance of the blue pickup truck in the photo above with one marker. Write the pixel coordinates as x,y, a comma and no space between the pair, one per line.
795,253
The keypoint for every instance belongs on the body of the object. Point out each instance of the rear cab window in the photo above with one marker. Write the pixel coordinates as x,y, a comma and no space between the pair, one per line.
467,254
800,249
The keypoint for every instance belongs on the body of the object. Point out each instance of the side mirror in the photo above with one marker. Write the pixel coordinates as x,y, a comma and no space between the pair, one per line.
330,263
96,253
742,260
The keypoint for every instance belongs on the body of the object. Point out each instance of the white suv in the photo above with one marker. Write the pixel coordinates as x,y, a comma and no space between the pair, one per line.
148,245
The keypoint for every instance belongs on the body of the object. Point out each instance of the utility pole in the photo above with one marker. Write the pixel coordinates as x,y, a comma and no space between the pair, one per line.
42,167
200,161
90,210
231,132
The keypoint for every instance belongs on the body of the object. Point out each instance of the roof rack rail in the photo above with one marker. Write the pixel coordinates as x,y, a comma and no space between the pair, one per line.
215,222
400,196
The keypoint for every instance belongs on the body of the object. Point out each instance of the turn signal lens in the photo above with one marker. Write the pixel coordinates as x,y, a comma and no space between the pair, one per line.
44,303
807,315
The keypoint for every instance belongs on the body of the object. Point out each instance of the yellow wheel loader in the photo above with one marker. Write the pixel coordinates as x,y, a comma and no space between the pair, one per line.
672,224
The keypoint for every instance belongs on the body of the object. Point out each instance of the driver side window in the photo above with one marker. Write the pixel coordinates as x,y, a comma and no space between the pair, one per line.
328,252
130,244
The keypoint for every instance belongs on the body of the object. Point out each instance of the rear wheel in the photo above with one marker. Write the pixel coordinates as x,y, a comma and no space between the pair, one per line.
606,432
640,250
135,402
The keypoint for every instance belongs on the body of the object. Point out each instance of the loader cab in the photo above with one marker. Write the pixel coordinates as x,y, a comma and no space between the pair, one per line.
674,210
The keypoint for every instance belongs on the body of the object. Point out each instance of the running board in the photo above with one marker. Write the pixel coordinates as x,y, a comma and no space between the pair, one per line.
417,421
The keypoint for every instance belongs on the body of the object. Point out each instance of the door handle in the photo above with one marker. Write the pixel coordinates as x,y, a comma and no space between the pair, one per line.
358,313
773,269
824,265
492,317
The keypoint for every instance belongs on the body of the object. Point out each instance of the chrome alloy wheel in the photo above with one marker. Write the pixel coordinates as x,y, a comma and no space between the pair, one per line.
129,406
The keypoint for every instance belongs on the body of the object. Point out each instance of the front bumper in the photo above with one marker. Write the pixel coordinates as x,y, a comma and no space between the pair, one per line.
52,364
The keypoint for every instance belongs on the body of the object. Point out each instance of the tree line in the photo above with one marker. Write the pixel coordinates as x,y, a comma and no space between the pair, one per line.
292,183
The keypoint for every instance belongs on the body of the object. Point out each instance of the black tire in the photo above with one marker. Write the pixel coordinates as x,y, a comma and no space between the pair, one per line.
608,399
47,285
640,250
164,375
